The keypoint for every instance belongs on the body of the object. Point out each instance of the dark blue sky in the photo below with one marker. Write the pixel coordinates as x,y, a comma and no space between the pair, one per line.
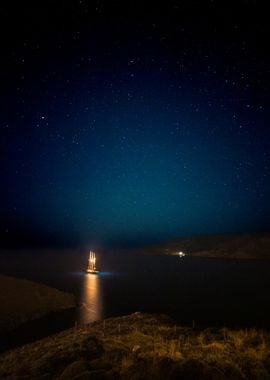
143,124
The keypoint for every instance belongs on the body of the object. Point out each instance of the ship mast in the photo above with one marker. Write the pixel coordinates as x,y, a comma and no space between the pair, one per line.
92,261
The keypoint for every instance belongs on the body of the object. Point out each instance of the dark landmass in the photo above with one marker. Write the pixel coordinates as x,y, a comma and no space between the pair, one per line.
23,301
242,247
142,346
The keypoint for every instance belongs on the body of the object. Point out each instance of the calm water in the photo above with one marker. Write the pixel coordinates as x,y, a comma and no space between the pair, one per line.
208,291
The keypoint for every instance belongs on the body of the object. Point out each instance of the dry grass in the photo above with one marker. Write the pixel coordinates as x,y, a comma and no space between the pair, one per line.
143,346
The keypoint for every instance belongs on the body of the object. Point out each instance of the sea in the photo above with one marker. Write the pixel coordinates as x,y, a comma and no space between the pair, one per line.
193,291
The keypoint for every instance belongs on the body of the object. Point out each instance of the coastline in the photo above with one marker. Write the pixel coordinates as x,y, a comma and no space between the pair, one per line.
23,301
233,247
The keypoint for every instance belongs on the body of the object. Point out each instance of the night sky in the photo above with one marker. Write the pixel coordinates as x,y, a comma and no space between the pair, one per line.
144,123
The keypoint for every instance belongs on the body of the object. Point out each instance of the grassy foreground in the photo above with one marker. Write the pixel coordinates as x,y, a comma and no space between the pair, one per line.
142,346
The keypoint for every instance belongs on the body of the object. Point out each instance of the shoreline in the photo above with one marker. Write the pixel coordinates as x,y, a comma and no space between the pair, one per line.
24,301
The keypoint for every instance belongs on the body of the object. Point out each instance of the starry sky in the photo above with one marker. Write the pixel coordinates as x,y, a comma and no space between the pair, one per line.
144,123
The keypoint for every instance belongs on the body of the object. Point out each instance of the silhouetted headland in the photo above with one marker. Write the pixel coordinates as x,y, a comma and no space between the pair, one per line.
240,247
23,301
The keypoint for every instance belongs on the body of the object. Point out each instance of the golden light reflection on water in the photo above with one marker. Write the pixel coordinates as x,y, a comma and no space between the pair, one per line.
91,299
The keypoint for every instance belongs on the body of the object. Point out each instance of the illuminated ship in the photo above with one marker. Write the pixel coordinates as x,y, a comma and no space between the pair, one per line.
91,268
